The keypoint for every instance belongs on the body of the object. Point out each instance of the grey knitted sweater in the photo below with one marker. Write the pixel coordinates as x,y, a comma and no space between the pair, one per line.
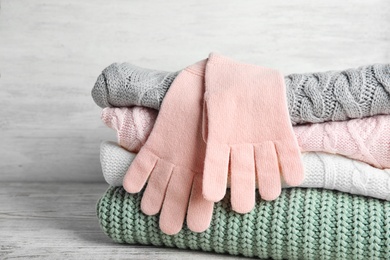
312,97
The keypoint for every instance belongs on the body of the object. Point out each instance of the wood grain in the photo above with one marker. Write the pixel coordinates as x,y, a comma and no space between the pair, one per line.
58,221
51,53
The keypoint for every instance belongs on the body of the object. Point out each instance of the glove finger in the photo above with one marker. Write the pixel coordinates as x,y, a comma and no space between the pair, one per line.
200,210
176,201
267,170
290,162
243,178
216,168
154,194
139,171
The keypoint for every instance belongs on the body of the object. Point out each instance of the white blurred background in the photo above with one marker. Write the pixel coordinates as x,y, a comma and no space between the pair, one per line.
51,53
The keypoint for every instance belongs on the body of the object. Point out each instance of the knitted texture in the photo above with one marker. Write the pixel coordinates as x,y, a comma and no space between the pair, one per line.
132,125
236,95
322,170
311,97
364,139
300,224
123,84
114,161
172,158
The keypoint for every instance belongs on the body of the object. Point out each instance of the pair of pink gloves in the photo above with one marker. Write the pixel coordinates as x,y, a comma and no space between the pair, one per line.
219,117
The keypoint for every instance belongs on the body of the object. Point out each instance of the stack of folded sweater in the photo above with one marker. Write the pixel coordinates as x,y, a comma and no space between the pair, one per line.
202,139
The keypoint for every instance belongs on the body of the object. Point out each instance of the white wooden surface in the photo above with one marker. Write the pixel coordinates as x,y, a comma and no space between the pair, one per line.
55,221
51,53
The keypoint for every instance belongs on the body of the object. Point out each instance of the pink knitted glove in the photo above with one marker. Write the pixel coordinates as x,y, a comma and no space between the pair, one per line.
246,126
173,158
365,139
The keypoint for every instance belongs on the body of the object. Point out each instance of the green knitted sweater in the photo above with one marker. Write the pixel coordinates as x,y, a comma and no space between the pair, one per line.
300,224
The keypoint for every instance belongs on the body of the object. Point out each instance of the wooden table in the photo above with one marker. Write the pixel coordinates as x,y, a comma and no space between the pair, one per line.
58,221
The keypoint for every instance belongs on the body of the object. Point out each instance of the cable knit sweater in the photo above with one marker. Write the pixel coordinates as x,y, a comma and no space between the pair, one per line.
312,97
365,139
322,170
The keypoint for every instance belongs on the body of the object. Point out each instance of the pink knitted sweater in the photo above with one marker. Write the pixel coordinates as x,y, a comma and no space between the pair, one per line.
365,139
